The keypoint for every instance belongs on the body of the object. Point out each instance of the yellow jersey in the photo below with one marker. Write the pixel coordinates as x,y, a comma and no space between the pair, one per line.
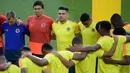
12,69
30,66
55,65
64,33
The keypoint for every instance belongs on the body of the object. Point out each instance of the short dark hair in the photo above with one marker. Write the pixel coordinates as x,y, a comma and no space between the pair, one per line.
116,19
84,17
46,46
103,24
39,3
10,14
76,40
63,8
119,31
25,49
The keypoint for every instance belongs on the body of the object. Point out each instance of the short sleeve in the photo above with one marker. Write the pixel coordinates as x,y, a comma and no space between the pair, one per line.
48,57
99,53
101,42
22,63
122,39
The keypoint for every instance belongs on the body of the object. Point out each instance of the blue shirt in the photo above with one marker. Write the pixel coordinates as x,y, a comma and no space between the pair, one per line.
14,36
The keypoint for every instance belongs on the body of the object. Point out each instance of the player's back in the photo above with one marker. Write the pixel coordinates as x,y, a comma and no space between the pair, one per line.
12,69
30,66
55,64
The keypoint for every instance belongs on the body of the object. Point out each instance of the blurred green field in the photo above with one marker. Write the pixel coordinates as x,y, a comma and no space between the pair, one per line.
23,9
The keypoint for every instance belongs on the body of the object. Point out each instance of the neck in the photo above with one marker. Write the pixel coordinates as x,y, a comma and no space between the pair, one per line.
107,34
39,16
62,22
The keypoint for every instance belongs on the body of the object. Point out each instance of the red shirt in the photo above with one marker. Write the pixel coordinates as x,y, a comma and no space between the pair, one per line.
2,19
40,31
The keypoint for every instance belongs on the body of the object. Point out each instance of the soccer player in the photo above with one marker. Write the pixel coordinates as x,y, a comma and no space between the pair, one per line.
2,19
64,29
82,66
124,60
27,66
11,69
90,36
105,43
14,37
40,27
52,62
117,21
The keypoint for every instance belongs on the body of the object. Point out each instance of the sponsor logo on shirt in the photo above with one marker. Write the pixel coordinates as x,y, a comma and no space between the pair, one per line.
68,28
17,30
43,25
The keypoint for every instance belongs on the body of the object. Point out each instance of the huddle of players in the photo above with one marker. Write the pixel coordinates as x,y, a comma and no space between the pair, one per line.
112,50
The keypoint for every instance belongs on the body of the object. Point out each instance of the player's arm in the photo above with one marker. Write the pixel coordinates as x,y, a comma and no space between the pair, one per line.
127,38
79,56
67,63
23,70
113,48
5,66
40,62
46,70
125,61
86,49
26,31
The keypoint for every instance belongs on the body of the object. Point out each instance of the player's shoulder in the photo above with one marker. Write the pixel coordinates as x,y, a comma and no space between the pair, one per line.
47,17
13,66
64,52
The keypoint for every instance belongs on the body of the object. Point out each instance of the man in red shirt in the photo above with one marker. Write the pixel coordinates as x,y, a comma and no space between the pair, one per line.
40,27
2,19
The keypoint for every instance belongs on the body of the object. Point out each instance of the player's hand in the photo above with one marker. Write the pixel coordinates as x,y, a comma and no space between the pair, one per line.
55,53
71,48
108,60
5,66
18,21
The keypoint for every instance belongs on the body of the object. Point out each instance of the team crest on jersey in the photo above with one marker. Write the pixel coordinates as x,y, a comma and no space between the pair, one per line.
93,30
17,30
68,28
43,25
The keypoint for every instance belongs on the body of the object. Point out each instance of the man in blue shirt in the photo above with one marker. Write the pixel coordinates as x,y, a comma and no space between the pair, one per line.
14,37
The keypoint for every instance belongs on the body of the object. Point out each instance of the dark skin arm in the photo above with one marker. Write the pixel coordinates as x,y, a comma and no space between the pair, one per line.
23,70
5,66
85,49
40,62
126,61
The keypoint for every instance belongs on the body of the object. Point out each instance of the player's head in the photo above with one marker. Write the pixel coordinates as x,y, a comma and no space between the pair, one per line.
2,59
25,50
103,27
63,13
38,7
116,20
11,17
46,48
119,31
85,19
77,41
